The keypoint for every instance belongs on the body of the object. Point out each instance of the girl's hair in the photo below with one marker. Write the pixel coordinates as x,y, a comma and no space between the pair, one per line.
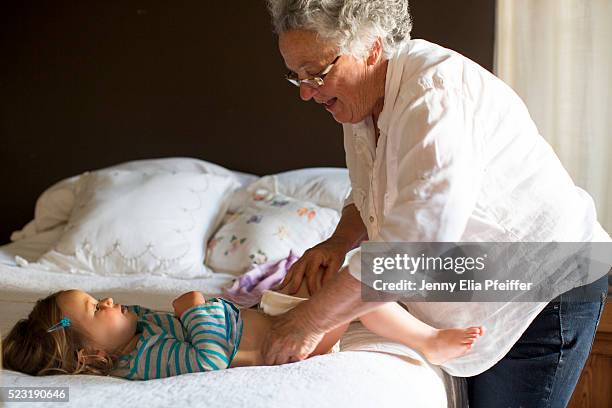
28,348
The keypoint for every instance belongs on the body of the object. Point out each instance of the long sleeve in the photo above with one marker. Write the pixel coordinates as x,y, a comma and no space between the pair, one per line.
214,330
205,338
349,199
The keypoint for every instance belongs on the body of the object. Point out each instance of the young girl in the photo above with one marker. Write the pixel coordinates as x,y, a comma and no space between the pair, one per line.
70,332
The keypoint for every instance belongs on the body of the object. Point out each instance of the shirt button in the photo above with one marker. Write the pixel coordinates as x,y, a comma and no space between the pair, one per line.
371,218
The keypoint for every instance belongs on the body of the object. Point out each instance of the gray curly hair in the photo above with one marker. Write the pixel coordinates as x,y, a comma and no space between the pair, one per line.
353,25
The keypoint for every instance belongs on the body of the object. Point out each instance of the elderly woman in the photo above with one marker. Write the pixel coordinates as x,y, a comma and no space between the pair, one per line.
438,149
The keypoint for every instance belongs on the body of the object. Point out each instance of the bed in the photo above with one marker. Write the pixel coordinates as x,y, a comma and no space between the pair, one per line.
354,377
369,371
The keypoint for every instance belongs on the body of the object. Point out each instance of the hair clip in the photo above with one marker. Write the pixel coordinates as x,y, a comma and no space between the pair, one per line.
62,324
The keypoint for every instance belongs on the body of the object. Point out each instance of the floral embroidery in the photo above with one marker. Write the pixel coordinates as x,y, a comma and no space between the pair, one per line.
259,257
233,217
256,219
213,242
308,212
261,195
279,203
234,244
282,232
265,228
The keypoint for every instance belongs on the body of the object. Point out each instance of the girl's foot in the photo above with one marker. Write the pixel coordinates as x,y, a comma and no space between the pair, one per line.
447,344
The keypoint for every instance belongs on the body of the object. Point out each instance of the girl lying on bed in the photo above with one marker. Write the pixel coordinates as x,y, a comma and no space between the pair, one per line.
70,332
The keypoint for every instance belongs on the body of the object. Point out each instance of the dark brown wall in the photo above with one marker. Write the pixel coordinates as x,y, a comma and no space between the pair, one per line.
88,84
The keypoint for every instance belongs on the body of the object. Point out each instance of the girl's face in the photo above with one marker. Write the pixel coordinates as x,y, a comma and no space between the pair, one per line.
107,325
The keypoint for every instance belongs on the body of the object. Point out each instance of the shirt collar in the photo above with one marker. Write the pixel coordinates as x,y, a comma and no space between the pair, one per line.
393,81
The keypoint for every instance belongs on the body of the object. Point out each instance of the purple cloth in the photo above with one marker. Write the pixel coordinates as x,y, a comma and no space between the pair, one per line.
248,288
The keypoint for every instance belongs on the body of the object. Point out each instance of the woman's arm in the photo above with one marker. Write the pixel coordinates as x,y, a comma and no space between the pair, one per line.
294,335
350,229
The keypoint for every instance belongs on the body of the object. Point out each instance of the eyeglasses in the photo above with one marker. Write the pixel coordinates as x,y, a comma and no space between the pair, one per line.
315,81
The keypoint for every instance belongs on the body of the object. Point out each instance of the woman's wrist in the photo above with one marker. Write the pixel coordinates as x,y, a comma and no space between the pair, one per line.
310,322
350,230
336,303
345,243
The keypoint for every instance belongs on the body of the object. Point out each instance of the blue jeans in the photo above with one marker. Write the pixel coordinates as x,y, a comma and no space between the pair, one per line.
543,367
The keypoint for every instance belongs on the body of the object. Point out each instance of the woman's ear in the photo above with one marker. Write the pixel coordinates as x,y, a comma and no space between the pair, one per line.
375,52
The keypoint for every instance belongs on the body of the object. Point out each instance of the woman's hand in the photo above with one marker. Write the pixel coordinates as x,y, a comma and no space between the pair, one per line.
318,265
187,301
289,340
295,335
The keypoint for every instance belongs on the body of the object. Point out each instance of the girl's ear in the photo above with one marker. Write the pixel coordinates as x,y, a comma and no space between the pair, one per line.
375,52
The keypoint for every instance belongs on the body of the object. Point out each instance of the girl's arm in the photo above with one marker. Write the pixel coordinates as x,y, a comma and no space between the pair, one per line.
161,356
209,325
214,328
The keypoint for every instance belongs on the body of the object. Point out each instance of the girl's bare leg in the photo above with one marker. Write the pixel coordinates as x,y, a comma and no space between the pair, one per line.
328,341
437,345
395,323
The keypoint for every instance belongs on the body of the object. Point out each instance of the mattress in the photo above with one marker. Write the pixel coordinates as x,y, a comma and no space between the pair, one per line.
369,371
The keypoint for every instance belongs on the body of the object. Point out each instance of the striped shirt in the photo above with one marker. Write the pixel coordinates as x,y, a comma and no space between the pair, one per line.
205,338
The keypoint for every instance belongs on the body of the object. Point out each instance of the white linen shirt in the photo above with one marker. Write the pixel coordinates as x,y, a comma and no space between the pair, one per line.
459,159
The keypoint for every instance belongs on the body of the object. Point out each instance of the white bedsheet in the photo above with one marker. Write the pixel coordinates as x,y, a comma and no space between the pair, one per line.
356,377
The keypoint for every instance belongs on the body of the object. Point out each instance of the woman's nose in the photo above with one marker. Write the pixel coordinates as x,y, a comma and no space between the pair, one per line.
307,92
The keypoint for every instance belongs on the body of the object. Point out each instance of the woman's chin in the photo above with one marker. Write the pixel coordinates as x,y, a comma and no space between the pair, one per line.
336,119
339,117
343,117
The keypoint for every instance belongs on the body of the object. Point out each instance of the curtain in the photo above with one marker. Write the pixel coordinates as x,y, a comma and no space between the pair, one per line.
557,55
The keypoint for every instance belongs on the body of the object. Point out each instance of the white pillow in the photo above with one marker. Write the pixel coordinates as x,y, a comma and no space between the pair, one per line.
324,186
132,222
54,205
266,229
30,248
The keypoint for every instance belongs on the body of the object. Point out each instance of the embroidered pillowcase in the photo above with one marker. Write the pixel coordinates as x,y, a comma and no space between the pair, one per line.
134,222
325,186
266,228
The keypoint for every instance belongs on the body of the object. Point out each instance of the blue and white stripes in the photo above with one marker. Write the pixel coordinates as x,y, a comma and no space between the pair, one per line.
205,338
